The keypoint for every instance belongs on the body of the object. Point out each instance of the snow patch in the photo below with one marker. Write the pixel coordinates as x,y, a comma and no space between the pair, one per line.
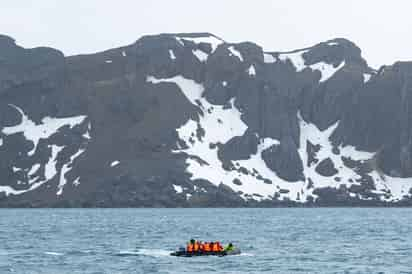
123,53
34,132
66,168
213,41
224,83
235,52
200,55
397,187
309,132
1,142
87,133
366,77
108,61
178,189
114,163
50,168
172,55
49,172
76,182
33,169
190,88
268,58
296,58
326,70
251,70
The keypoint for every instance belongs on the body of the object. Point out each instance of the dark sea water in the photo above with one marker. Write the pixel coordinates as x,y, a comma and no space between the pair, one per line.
333,240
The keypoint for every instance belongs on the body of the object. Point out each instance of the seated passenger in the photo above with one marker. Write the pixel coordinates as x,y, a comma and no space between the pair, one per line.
219,247
230,247
196,246
190,246
207,247
215,247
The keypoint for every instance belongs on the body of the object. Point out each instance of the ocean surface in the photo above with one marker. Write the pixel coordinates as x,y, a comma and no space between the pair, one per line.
321,240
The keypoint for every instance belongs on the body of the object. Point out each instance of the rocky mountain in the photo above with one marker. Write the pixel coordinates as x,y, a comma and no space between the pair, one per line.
192,120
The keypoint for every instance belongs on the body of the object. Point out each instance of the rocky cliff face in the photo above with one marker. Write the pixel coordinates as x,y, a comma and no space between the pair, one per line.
191,120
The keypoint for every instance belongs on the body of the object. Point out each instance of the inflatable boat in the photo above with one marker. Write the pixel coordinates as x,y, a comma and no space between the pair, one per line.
183,253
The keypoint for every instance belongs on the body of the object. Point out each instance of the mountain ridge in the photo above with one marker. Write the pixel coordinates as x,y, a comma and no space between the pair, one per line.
191,120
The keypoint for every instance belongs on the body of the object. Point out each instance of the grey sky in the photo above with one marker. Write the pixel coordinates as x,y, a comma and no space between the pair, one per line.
382,29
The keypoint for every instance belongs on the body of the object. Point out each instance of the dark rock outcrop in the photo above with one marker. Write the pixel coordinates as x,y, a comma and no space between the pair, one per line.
284,160
326,168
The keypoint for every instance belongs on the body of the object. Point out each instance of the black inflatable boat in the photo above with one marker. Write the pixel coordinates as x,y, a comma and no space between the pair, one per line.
183,253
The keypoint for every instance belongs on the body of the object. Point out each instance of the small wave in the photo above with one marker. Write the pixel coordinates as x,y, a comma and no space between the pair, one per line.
127,253
145,252
246,254
82,252
53,253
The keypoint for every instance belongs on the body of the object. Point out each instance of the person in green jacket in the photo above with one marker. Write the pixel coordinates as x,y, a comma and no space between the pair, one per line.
230,247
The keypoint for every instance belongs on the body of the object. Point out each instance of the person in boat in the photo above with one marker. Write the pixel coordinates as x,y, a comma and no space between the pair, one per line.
217,247
196,246
201,247
211,244
190,245
207,247
229,247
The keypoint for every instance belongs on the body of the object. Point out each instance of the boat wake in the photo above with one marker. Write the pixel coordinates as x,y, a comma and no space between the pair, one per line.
53,253
144,252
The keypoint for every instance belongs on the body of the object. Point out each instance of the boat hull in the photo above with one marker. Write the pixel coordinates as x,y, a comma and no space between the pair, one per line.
182,253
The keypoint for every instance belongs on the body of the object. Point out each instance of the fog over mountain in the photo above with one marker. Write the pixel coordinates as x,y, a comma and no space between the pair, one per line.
194,120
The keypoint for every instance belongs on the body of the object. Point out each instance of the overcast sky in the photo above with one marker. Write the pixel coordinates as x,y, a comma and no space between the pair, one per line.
381,28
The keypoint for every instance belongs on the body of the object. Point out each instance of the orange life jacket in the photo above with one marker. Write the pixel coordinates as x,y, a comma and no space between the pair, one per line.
196,247
189,247
215,247
202,247
207,247
219,246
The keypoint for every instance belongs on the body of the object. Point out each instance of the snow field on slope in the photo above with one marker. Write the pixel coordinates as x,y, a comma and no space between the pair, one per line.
235,52
223,124
296,58
366,77
220,126
48,127
202,56
66,168
49,172
268,58
34,133
309,132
